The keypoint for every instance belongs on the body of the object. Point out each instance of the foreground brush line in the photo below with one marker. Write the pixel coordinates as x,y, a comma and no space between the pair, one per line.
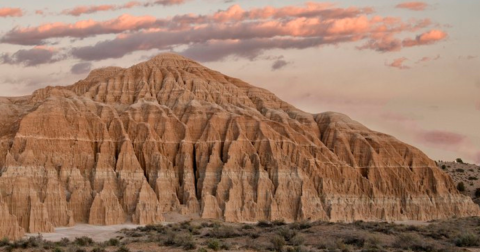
450,235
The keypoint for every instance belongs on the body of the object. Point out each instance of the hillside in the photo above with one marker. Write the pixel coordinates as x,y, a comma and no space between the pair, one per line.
170,135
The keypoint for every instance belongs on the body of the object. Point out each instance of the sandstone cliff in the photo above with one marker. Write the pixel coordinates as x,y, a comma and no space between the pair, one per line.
170,135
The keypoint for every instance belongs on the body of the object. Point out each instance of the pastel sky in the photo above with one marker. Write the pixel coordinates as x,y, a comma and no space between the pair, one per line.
409,69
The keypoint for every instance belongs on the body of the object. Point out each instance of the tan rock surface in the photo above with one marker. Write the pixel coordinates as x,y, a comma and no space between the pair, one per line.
170,135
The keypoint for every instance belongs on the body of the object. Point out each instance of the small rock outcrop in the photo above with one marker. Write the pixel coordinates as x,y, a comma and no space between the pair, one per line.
170,135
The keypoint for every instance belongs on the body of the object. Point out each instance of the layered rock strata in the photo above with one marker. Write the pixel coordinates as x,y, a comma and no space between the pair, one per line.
169,135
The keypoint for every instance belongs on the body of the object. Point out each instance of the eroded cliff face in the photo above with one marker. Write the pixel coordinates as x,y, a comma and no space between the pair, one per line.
170,135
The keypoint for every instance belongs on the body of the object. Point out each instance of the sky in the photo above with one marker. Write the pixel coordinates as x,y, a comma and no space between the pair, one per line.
410,69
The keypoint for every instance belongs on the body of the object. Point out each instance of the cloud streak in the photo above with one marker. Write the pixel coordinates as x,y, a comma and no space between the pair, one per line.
398,63
10,12
32,57
233,32
82,10
414,6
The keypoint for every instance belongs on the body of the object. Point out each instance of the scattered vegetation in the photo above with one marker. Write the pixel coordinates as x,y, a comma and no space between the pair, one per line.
459,160
461,187
451,235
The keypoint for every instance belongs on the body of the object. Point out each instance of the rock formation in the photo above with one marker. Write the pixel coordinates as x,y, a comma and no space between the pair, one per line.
169,135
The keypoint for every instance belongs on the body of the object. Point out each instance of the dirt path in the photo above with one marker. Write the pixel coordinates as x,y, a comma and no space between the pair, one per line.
97,233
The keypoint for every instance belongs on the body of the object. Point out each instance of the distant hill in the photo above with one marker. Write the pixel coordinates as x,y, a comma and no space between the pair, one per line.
469,174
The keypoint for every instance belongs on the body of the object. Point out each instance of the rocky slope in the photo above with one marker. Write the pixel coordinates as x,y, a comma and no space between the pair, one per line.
468,174
170,135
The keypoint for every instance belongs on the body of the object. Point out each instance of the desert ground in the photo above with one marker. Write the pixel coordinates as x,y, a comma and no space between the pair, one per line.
201,235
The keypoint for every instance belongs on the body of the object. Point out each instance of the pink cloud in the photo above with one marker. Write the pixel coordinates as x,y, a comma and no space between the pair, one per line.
426,38
232,30
11,12
80,29
81,10
437,137
427,59
399,63
415,6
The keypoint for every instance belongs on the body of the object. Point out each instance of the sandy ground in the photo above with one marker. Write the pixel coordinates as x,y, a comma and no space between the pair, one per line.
97,233
104,233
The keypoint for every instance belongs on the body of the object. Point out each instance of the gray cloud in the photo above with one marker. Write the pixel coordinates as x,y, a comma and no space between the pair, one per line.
279,64
31,57
81,68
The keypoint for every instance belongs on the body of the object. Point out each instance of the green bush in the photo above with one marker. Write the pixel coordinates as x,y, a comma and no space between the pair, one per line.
264,223
297,240
301,225
459,160
123,249
461,187
444,167
4,242
113,242
214,244
466,240
277,242
279,223
84,241
477,192
287,233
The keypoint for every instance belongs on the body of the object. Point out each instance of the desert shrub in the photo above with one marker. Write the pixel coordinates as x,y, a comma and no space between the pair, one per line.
4,242
83,241
246,227
373,243
413,242
99,249
223,232
301,225
254,235
287,233
277,242
189,245
186,225
279,223
355,241
477,192
459,160
461,187
156,228
264,223
466,240
444,167
113,242
185,241
31,242
297,240
170,239
472,178
213,244
123,249
79,250
225,246
460,170
202,250
63,242
57,249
